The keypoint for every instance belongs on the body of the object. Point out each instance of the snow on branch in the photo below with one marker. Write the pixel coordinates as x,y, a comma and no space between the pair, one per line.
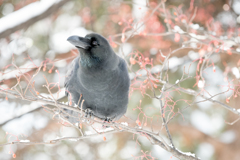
28,15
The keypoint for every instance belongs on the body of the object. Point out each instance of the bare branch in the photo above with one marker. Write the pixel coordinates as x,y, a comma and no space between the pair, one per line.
153,136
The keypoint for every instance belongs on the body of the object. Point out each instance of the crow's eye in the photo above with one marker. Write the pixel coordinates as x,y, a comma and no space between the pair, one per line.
95,43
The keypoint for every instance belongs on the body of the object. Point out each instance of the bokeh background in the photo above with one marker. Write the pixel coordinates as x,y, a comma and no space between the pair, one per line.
200,128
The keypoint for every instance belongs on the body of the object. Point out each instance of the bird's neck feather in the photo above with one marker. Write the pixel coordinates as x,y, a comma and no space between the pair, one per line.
90,61
96,63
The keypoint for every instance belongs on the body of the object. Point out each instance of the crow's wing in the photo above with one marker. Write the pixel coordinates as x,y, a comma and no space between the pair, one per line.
69,114
70,74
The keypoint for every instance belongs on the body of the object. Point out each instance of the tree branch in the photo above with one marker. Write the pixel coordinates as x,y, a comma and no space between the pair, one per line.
118,128
11,23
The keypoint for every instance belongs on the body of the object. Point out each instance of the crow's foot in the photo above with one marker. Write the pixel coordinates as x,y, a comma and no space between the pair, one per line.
107,120
88,113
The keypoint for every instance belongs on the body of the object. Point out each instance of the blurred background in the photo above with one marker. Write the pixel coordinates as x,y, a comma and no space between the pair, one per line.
34,32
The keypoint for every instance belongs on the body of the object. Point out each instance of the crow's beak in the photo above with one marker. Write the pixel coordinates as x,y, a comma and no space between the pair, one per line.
79,42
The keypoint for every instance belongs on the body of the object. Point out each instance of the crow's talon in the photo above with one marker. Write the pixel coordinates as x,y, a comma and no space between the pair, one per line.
88,113
107,120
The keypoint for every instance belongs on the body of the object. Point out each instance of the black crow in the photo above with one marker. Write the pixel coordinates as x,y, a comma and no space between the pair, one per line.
100,76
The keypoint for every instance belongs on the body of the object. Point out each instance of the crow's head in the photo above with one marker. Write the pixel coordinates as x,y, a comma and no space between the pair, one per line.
94,49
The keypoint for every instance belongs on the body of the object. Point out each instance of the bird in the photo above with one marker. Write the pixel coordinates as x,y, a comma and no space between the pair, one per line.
99,77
